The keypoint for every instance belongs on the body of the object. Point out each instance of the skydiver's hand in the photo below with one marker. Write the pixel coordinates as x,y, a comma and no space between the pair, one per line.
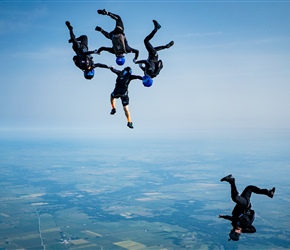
134,60
98,29
96,52
111,67
221,216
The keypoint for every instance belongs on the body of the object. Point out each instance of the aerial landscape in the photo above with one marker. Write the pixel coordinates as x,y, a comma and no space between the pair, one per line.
90,195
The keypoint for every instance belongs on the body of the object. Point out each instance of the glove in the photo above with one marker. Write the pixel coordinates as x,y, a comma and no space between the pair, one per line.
134,60
98,28
96,52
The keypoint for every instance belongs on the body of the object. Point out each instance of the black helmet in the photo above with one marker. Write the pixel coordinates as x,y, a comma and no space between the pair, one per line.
234,235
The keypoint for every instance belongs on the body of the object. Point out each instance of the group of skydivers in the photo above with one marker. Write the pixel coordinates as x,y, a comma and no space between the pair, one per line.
242,214
151,67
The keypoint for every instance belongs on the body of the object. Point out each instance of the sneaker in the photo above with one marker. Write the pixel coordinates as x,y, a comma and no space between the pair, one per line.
102,12
156,25
228,178
130,125
67,23
113,111
98,28
169,44
271,192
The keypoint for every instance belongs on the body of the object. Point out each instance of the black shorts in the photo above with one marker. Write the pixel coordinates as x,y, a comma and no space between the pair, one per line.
124,97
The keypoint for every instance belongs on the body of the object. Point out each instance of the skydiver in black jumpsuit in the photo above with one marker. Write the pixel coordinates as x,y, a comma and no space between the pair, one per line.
152,66
242,214
118,30
83,59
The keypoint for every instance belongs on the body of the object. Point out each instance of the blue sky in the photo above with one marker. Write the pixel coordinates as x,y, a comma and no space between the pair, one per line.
229,67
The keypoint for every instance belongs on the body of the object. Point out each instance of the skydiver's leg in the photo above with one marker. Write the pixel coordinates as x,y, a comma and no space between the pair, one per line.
83,39
113,104
119,22
105,33
127,113
125,103
167,46
73,40
234,192
151,50
119,28
254,189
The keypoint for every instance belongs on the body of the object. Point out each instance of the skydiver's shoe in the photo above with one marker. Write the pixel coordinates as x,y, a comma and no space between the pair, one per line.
271,192
169,44
229,178
102,12
67,23
113,111
157,26
130,124
98,28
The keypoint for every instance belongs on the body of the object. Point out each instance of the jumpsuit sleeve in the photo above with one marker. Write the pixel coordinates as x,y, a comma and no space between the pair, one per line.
141,62
249,229
131,50
117,72
134,77
89,52
108,49
100,65
227,217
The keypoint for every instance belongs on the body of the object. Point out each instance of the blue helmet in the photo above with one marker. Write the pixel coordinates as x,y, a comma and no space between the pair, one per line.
127,70
89,74
147,81
120,60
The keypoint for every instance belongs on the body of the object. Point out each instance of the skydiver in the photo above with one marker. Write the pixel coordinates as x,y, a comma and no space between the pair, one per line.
242,214
118,38
123,80
83,59
152,66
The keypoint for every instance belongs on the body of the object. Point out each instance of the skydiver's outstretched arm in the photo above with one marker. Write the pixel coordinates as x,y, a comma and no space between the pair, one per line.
101,65
108,49
226,217
249,229
116,71
134,77
90,52
143,62
136,52
131,50
140,62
